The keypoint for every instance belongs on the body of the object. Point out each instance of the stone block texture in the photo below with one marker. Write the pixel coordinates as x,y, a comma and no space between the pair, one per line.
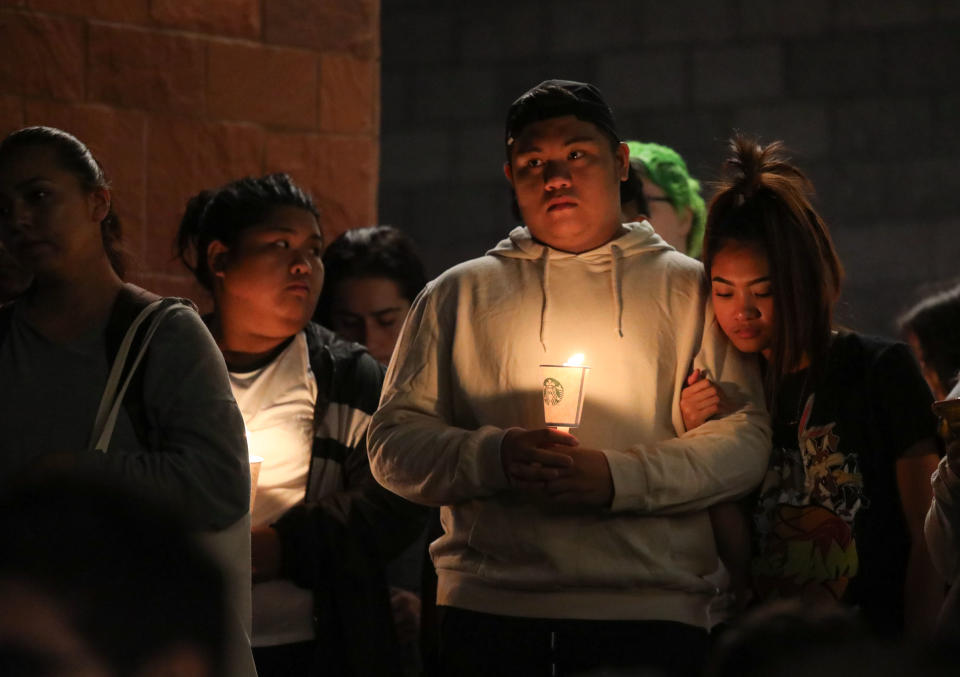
124,11
11,114
186,156
225,17
175,96
349,99
42,55
274,86
340,172
340,26
142,68
863,92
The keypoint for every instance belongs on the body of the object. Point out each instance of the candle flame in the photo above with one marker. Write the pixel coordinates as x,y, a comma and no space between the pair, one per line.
575,360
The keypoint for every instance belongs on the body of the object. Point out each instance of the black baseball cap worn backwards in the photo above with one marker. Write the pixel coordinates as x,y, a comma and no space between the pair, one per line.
556,98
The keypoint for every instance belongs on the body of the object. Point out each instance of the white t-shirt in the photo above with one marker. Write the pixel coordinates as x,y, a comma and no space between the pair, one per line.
277,402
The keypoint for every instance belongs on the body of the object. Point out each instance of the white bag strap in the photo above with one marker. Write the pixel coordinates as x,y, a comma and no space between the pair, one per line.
112,397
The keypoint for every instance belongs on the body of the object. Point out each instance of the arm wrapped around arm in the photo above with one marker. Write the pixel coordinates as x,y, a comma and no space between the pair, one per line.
722,459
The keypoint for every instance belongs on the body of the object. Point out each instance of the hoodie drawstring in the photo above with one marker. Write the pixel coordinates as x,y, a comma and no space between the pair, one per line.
616,281
616,288
545,284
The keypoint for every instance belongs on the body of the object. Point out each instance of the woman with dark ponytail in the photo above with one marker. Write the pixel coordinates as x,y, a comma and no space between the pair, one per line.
322,527
839,515
173,430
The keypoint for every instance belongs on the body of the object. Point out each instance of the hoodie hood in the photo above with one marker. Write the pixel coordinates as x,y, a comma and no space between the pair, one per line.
636,238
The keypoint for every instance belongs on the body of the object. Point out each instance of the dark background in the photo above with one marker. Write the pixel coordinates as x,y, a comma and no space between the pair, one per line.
865,92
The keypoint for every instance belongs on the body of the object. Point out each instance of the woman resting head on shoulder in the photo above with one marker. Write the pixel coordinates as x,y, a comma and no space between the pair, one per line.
853,434
765,242
373,276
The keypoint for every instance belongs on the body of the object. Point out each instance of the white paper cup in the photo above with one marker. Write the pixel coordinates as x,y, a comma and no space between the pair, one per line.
563,389
255,462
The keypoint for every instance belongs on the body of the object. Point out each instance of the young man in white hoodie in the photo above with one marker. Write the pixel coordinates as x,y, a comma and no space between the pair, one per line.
568,552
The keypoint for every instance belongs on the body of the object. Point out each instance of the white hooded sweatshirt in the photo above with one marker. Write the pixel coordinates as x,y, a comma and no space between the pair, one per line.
466,369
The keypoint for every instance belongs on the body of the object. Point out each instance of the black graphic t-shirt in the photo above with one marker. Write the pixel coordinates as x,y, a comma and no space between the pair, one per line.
829,522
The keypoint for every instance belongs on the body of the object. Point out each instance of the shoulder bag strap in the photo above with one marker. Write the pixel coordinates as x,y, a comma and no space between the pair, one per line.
113,392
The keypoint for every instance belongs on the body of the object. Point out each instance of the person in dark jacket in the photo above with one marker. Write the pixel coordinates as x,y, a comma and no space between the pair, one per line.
322,528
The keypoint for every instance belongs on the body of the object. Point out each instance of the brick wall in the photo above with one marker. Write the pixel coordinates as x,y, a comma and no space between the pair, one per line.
867,93
174,96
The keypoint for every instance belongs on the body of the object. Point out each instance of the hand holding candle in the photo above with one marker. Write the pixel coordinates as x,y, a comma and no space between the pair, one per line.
586,482
532,457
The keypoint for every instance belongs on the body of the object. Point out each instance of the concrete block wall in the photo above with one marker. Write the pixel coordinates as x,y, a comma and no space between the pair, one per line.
865,92
174,96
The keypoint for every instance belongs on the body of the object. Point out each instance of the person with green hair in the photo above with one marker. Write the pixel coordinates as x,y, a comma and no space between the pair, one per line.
675,207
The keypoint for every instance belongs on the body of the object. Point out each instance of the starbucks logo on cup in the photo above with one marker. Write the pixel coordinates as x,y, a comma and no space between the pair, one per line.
552,392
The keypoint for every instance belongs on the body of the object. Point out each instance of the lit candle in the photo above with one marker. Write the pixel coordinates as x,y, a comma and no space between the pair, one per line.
563,392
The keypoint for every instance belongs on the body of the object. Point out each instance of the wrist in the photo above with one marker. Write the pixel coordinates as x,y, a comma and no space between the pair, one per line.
504,454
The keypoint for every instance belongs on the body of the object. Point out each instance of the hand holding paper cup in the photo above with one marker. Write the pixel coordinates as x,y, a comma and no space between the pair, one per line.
564,387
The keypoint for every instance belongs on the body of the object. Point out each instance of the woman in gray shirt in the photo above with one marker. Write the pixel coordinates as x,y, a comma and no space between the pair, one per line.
178,434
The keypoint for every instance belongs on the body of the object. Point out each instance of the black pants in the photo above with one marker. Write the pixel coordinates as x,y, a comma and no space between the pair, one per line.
482,644
286,660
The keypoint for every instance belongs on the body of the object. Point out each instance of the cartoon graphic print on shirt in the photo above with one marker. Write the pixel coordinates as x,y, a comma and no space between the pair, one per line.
804,523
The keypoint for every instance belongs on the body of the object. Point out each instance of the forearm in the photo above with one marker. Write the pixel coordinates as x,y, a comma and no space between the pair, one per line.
721,460
924,587
362,515
731,531
195,454
422,459
370,523
384,520
923,593
203,469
